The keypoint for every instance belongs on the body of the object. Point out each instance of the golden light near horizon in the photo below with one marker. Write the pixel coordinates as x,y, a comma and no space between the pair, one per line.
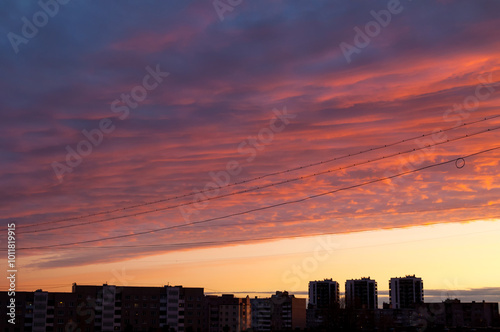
437,253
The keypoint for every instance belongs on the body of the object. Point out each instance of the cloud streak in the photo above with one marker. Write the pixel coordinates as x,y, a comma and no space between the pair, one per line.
226,77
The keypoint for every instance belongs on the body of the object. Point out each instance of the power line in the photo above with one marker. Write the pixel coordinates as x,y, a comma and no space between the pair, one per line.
265,186
188,244
419,211
47,286
269,206
260,177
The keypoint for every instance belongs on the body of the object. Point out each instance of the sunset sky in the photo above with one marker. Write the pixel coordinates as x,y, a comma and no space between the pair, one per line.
252,151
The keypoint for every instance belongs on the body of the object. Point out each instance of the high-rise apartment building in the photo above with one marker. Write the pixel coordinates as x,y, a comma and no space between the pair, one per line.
323,302
323,294
361,293
405,292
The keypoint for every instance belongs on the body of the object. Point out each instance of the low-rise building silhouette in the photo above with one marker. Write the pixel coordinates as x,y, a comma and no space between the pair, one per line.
279,312
228,313
128,308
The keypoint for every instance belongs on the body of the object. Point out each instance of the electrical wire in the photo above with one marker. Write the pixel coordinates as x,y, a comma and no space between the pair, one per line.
264,186
269,206
259,177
